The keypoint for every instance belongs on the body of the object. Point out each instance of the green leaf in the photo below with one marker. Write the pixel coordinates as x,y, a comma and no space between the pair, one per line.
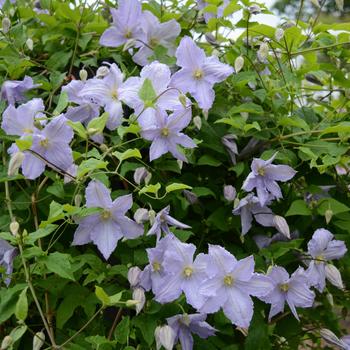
8,300
122,331
115,298
341,129
62,103
150,189
147,324
25,143
176,187
40,233
21,311
299,207
249,107
208,160
294,121
147,93
332,204
102,295
89,165
130,153
59,264
98,124
78,129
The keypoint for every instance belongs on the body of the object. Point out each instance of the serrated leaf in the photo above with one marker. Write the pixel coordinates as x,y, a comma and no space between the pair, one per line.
176,187
59,264
130,153
21,311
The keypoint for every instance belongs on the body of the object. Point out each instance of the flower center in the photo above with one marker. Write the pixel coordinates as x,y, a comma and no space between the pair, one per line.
27,131
198,74
319,259
188,271
153,42
114,95
165,132
261,171
44,143
128,34
156,266
284,287
105,215
228,280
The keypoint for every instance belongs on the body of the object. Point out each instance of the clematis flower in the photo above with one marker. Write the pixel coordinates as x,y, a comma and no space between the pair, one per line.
199,73
153,34
264,177
126,24
20,121
7,254
164,336
108,93
322,248
105,229
49,146
295,290
232,285
14,90
165,132
208,15
183,325
250,206
162,222
183,273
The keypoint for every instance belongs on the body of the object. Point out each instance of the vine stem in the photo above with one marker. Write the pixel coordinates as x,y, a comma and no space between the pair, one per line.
115,322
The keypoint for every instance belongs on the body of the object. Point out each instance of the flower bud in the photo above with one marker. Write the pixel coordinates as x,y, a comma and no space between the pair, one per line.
102,72
254,9
131,303
152,215
333,275
6,342
239,63
328,215
229,193
30,44
14,227
281,225
92,131
139,295
38,340
329,297
180,163
190,196
77,200
103,147
205,114
330,337
83,74
15,163
279,34
183,100
140,175
134,276
165,336
263,52
6,25
141,215
340,4
197,121
210,38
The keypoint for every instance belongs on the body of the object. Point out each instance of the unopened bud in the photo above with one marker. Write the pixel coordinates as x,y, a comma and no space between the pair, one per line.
14,227
180,163
30,44
229,193
6,25
139,295
148,178
263,52
77,200
152,216
140,175
6,342
38,340
340,4
183,100
15,163
141,215
197,121
134,276
281,225
102,72
165,336
211,39
24,233
254,9
103,147
329,297
92,131
131,303
328,215
191,197
205,114
279,34
83,74
239,63
331,338
333,275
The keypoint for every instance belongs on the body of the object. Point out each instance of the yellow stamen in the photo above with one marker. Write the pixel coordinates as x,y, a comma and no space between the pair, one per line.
156,266
198,74
228,280
165,132
44,143
188,271
284,287
105,215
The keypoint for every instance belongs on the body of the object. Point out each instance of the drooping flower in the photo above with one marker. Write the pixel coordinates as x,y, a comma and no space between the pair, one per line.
106,228
250,206
155,33
322,248
162,222
126,24
198,73
165,132
229,193
264,177
229,141
183,325
232,285
293,290
14,90
20,121
7,254
165,336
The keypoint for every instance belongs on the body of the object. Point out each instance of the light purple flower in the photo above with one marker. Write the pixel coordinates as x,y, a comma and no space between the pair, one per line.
232,285
199,73
126,24
183,325
229,193
162,222
208,15
7,254
295,290
165,132
264,177
229,141
14,90
250,206
153,34
105,229
20,121
346,341
183,273
322,248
